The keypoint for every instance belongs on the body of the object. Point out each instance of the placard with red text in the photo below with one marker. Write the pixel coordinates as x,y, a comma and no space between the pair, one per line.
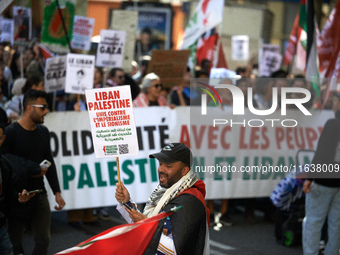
112,122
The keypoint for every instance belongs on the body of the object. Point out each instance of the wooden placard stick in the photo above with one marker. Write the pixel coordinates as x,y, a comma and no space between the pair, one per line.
118,171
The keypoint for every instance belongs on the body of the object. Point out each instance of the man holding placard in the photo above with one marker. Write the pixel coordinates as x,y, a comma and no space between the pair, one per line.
178,186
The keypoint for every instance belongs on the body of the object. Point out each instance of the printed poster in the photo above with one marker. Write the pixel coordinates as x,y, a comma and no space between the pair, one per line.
7,30
112,122
110,50
269,59
270,62
240,47
79,73
22,23
82,33
154,22
55,74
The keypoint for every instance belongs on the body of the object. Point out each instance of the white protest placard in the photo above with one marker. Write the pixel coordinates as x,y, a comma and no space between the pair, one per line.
268,47
240,47
82,33
55,73
22,23
267,53
112,121
110,50
7,30
79,73
220,73
271,62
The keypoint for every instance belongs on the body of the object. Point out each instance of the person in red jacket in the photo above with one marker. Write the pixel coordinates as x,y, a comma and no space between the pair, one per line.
186,231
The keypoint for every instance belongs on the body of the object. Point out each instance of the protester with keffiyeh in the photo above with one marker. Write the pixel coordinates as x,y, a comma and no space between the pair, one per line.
186,231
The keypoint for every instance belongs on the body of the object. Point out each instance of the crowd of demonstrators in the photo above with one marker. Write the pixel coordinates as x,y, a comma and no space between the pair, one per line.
15,107
15,66
146,90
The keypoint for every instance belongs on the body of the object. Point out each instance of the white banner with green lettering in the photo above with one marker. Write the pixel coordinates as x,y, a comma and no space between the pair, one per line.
87,181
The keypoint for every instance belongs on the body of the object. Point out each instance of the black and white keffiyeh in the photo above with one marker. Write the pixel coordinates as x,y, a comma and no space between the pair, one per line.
160,197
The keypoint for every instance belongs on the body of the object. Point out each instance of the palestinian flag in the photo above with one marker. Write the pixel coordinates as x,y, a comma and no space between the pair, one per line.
291,47
46,53
301,45
128,239
208,14
210,47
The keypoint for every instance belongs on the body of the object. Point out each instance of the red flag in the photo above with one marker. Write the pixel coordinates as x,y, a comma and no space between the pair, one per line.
210,48
291,47
221,62
128,239
46,53
329,46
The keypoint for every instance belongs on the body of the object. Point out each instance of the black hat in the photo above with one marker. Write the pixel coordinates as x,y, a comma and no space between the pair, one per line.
174,152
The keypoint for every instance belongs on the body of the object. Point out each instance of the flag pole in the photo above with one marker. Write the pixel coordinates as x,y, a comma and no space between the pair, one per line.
64,27
118,170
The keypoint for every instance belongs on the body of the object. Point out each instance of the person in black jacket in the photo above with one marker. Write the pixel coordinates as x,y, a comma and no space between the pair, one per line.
7,193
186,231
27,145
323,188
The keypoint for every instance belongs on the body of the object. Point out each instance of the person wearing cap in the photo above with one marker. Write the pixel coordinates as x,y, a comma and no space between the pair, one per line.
186,231
151,92
323,189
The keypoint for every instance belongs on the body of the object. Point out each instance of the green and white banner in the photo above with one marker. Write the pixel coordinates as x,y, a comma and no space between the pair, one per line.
87,181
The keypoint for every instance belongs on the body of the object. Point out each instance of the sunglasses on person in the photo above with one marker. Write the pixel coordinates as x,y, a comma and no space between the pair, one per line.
42,106
157,85
121,77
